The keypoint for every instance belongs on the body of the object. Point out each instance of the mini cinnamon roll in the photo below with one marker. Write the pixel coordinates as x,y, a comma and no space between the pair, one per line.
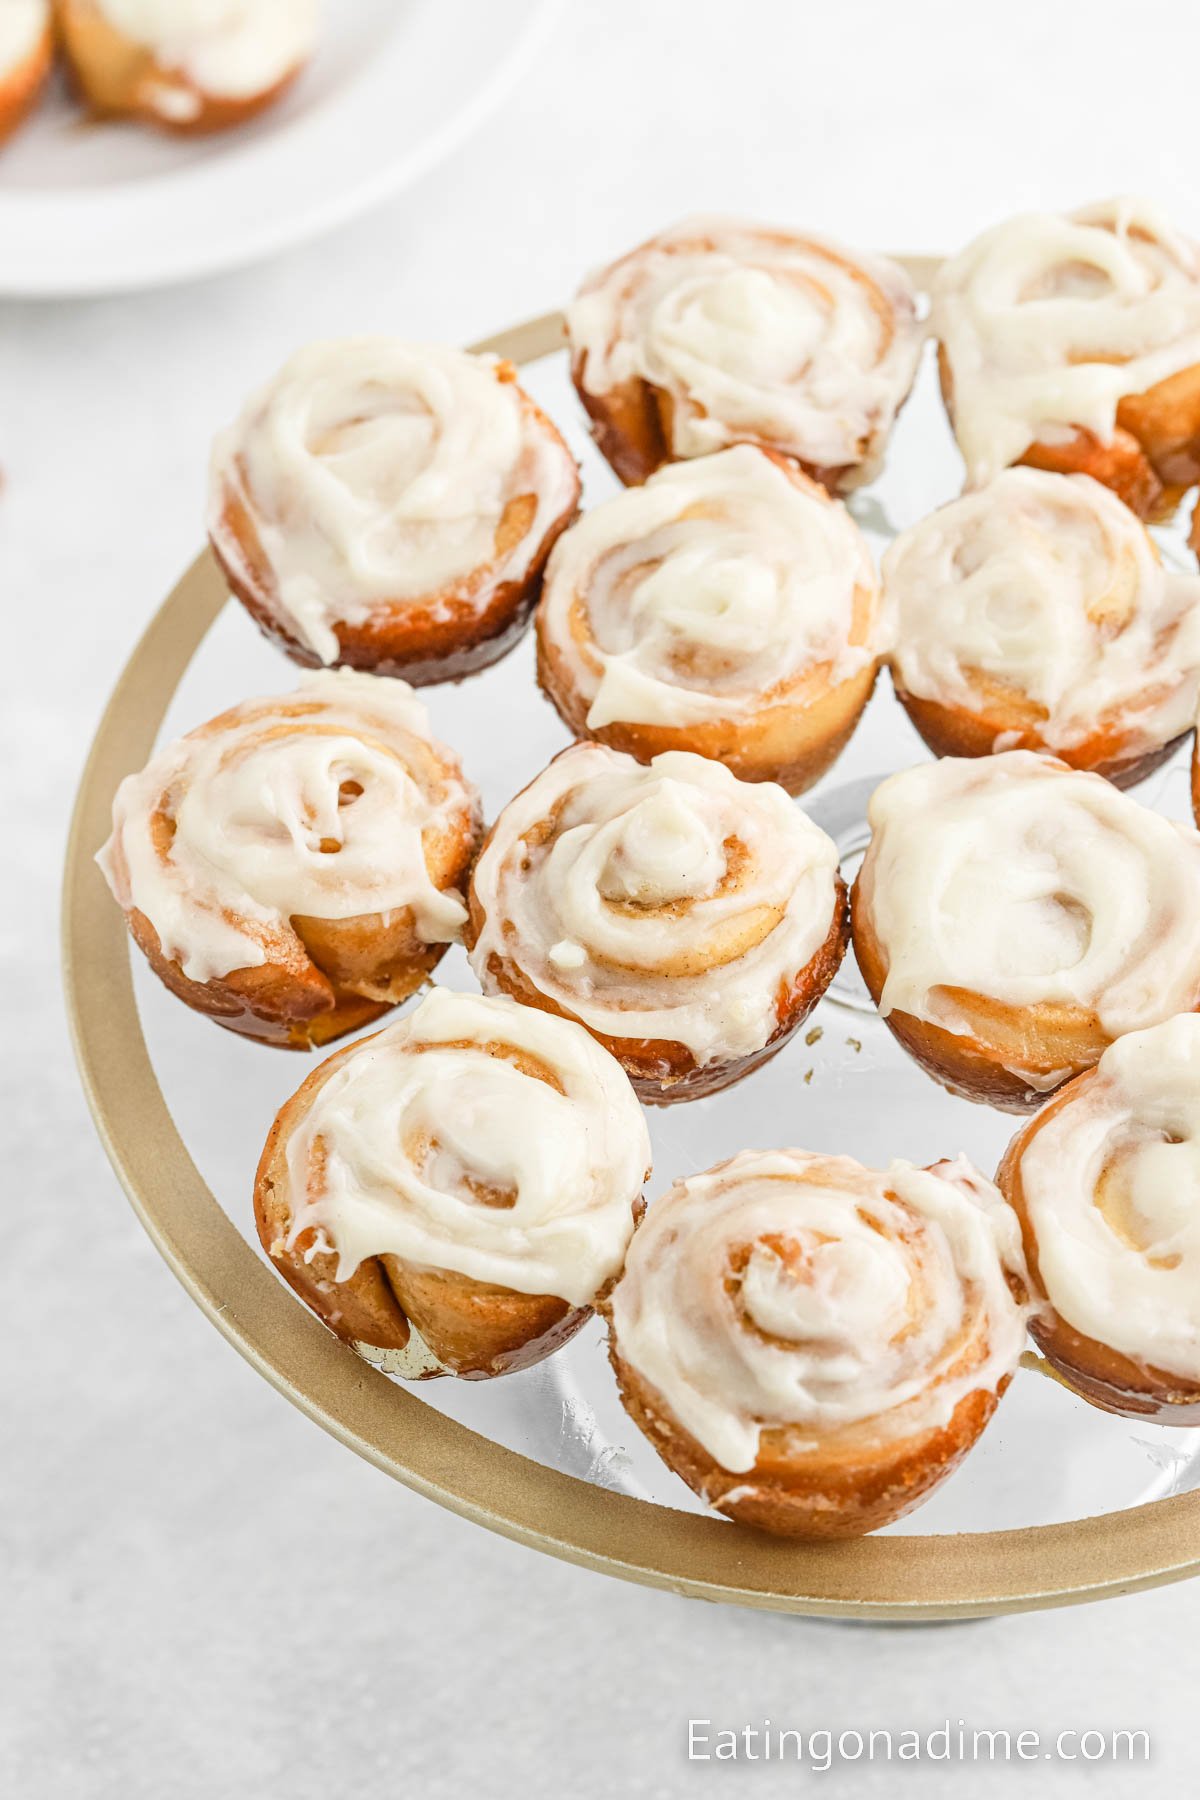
472,1174
718,332
186,65
1036,614
390,506
26,58
1013,916
814,1346
690,920
1072,342
293,868
726,607
1106,1184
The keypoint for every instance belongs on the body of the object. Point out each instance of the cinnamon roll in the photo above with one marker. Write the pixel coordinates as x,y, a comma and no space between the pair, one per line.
1106,1184
472,1174
26,58
1013,916
691,921
719,332
1072,342
1036,614
726,607
390,506
186,65
293,868
814,1346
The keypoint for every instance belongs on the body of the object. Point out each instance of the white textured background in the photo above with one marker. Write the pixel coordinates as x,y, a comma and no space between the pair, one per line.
204,1597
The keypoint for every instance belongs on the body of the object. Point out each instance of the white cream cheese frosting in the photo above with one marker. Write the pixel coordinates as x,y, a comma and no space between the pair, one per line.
782,1289
1015,877
755,333
312,804
708,593
375,473
478,1136
668,902
226,49
1111,1183
23,28
1048,588
1047,321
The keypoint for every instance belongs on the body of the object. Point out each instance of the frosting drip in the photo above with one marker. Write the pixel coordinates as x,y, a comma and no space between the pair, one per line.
1047,322
231,49
668,903
755,333
1015,877
376,473
708,593
310,805
782,1289
478,1136
1111,1182
1046,588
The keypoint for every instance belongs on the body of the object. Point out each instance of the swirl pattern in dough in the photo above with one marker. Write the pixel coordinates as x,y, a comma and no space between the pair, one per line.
689,920
718,332
293,867
473,1170
1073,342
1035,613
813,1345
726,607
391,506
1013,916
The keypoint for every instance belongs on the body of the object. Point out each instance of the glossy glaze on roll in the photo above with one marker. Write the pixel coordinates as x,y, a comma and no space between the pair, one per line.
691,921
294,867
1036,614
1072,342
1013,916
727,607
1106,1183
719,332
26,58
390,506
812,1345
473,1171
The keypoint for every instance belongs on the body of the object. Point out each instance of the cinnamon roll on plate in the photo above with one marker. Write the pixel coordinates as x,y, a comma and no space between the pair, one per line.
814,1346
727,607
1106,1184
294,868
1036,614
1072,342
689,920
26,58
390,506
719,332
1013,916
472,1174
186,65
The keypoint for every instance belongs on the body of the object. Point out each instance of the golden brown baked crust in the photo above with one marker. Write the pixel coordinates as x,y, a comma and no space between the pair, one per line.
340,974
951,730
662,1072
1015,1055
842,1491
121,79
444,636
1153,456
1110,1380
472,1328
21,87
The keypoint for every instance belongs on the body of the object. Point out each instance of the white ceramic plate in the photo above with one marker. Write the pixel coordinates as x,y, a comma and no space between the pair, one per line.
395,86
